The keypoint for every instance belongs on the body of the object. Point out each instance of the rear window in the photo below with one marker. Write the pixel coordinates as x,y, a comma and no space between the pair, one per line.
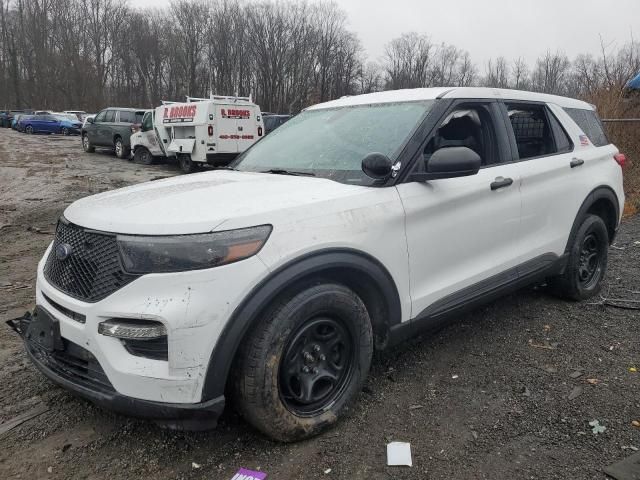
590,124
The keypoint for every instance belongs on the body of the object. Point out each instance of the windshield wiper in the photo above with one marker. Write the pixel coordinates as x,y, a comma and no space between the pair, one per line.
280,171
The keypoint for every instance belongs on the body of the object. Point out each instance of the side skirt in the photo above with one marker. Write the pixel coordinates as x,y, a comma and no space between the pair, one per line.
485,291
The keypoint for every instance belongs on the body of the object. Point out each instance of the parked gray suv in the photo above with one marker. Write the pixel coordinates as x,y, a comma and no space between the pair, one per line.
112,128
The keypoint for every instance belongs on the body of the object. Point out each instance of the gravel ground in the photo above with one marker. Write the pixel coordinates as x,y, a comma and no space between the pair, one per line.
487,397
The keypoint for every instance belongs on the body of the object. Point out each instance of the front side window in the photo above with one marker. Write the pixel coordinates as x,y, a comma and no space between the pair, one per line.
100,117
110,116
470,126
532,130
332,142
147,122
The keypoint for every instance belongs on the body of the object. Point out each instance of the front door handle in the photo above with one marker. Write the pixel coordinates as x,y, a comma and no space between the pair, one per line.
501,182
576,162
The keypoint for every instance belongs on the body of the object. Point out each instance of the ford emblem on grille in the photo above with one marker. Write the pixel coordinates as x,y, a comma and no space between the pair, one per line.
63,251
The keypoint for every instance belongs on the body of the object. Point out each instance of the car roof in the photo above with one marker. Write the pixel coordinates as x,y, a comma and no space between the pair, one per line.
418,94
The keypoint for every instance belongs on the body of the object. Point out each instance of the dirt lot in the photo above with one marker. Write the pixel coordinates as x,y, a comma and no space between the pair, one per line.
485,398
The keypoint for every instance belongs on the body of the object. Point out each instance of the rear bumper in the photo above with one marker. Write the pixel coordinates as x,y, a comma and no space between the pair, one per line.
89,382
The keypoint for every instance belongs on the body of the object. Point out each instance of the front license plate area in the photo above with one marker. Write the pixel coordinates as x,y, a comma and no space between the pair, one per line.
44,330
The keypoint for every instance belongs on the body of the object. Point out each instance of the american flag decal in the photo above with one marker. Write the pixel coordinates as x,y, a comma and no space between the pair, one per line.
584,141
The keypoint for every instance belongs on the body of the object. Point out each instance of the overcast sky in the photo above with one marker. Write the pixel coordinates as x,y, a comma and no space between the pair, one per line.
490,28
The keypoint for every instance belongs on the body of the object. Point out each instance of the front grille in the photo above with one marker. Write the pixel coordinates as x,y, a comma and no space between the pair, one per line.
75,364
92,269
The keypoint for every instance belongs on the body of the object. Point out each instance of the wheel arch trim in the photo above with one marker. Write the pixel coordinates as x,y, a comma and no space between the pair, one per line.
602,192
276,283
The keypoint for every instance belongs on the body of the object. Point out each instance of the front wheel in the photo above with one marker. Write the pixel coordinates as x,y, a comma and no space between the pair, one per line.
65,131
29,129
304,363
86,144
587,261
143,156
186,164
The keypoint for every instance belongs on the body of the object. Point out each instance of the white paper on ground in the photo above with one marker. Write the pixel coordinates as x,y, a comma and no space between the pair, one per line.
399,453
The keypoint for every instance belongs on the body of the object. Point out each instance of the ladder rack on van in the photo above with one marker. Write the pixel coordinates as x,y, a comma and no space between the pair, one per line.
220,97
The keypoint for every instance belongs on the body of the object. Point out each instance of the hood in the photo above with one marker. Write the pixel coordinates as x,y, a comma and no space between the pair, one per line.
201,202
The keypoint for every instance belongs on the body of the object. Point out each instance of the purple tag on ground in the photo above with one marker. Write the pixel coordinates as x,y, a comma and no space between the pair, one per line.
244,474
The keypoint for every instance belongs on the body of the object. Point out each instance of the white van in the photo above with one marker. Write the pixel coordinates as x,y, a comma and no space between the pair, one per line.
211,130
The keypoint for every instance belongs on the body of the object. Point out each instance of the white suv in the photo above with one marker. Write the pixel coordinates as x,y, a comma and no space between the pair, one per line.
348,229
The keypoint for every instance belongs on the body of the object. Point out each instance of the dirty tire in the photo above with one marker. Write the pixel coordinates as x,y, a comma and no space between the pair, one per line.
65,131
186,164
143,156
587,262
28,129
267,367
86,144
120,149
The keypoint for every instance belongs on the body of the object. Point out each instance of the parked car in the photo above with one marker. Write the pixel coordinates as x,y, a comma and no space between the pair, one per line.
273,121
15,123
50,124
79,114
69,124
352,227
111,127
6,119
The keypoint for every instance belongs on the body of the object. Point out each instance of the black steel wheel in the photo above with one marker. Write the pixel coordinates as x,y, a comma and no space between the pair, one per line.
586,263
591,255
304,362
143,156
316,366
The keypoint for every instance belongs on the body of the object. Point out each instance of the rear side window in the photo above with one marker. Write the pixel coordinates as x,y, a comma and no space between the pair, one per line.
563,142
537,132
127,117
590,124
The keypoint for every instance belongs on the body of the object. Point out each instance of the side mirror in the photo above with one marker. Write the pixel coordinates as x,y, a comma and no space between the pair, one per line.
377,166
89,120
450,162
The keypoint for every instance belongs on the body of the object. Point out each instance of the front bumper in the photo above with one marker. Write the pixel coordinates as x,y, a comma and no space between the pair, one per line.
75,369
194,308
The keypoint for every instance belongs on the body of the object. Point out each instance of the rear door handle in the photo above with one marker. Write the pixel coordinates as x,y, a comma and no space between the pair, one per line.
576,162
501,182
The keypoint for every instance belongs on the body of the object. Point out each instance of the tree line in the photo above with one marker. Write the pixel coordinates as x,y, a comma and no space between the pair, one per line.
87,54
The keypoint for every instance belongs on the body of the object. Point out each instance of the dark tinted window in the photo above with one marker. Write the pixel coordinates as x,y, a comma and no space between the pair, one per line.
100,117
110,116
139,117
127,117
563,142
590,124
532,130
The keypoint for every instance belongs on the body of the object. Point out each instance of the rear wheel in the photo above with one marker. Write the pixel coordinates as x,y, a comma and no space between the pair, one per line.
28,129
143,156
65,131
121,150
86,144
186,164
587,261
304,363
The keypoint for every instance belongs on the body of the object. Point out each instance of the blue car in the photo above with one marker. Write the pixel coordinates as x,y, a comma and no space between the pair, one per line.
50,124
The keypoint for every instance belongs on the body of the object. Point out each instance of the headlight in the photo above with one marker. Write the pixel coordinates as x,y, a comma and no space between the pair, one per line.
175,253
